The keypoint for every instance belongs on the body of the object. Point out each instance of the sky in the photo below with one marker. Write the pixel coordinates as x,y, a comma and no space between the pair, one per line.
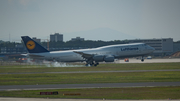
144,19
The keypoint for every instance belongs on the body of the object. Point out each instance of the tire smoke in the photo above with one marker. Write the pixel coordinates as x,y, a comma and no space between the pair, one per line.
60,64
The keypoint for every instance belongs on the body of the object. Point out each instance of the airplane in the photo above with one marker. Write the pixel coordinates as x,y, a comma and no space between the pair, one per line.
91,56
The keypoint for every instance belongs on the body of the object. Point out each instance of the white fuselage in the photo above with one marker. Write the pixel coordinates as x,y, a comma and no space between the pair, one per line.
118,51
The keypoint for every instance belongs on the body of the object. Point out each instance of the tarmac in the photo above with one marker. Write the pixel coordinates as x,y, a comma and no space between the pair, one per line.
98,85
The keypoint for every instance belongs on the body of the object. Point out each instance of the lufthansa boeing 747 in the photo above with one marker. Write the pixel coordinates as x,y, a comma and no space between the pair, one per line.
91,56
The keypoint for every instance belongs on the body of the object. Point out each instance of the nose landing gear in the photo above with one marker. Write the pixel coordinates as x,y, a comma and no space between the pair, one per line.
142,59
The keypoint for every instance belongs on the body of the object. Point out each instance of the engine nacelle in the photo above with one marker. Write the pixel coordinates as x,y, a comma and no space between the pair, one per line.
98,58
109,59
101,58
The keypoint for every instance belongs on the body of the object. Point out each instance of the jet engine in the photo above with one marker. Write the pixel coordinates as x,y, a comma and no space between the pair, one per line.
98,58
101,58
109,58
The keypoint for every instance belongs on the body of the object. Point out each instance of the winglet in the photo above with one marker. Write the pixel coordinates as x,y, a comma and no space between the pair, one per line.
32,46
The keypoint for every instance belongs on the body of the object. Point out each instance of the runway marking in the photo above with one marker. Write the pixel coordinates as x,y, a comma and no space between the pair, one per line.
81,86
120,71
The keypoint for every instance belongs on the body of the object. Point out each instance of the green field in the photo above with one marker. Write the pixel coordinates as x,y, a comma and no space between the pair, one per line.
85,78
78,78
101,67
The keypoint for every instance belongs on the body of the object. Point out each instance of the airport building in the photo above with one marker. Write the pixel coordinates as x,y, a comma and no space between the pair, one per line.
162,46
77,39
18,49
176,47
56,37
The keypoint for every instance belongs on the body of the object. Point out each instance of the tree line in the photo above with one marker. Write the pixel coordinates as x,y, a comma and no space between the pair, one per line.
8,44
68,44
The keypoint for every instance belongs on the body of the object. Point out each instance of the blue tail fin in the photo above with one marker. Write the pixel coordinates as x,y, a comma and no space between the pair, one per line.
32,46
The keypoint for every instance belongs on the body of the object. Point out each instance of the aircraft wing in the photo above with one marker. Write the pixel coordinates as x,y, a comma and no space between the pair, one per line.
24,54
84,55
32,55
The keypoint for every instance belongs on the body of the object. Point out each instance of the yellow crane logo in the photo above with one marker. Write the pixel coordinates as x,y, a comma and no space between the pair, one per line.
30,45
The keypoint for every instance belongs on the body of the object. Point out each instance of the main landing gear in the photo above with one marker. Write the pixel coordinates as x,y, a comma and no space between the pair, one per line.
91,63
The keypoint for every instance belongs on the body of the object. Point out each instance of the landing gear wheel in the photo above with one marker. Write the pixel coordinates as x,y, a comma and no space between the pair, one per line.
96,64
142,59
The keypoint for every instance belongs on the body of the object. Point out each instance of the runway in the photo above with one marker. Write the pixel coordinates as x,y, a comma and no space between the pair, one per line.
47,99
120,71
74,86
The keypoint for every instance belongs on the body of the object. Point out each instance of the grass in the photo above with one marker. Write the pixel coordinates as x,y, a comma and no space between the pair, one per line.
138,93
101,67
85,78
